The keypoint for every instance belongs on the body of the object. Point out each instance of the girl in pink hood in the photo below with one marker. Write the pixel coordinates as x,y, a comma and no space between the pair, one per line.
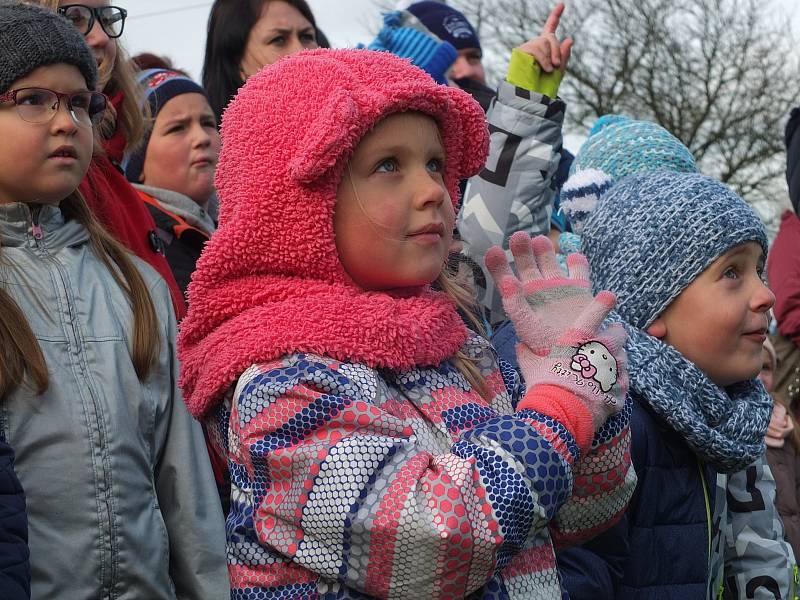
374,446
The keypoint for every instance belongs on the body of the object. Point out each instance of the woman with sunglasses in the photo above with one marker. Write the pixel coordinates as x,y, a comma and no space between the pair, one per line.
120,495
112,199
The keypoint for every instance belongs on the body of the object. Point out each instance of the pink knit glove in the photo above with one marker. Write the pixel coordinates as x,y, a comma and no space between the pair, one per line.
556,298
573,372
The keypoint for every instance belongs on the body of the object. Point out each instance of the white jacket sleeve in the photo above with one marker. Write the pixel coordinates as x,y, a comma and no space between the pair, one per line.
514,192
759,563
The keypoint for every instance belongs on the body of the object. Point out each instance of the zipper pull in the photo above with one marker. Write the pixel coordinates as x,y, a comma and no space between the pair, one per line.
38,234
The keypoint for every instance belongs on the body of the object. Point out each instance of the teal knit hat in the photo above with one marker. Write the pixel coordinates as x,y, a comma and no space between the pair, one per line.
620,146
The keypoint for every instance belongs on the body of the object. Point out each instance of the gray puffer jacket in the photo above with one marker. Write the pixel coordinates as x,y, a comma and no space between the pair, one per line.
121,498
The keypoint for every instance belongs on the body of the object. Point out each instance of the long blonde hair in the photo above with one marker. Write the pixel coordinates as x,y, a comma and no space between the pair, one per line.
20,353
463,296
121,79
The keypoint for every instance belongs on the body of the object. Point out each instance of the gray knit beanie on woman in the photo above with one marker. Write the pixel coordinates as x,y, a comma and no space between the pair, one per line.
652,234
31,37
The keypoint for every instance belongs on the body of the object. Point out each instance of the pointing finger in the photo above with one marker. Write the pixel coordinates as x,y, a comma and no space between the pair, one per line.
554,18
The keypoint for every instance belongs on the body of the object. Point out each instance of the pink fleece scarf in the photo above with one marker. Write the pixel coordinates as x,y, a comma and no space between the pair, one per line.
270,282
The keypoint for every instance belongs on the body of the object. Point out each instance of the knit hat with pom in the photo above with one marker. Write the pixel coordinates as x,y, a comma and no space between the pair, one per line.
270,282
617,147
652,234
620,146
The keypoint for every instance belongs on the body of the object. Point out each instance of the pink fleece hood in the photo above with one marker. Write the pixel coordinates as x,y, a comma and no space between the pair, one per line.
270,281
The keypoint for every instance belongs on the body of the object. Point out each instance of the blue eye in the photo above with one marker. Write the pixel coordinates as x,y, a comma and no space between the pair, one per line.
731,273
435,165
386,166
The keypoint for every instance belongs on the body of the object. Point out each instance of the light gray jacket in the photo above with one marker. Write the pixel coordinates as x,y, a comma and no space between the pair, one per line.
120,494
515,190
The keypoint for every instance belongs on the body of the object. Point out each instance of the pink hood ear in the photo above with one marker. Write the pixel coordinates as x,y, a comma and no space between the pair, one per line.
335,128
287,137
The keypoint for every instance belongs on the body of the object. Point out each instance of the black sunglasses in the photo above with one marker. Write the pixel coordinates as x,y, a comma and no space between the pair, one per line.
111,18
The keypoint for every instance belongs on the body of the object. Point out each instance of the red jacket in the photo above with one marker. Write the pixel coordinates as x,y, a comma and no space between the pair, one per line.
783,271
117,205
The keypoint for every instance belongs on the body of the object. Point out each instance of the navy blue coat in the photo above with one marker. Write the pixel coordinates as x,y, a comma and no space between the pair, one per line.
666,518
15,568
659,549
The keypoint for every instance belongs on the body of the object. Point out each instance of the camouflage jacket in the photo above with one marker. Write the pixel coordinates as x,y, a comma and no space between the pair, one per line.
514,192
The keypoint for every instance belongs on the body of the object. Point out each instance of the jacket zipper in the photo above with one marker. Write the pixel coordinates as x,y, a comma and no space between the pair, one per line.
707,498
38,236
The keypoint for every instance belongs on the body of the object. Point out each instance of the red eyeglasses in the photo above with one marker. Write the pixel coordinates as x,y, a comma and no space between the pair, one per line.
40,105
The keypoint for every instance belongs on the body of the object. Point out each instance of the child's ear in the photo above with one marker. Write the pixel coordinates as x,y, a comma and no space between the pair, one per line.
658,329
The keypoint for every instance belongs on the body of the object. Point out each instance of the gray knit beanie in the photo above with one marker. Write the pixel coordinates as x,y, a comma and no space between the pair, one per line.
652,234
31,37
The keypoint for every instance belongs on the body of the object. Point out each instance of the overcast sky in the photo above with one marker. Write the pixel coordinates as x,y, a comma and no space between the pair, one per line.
177,28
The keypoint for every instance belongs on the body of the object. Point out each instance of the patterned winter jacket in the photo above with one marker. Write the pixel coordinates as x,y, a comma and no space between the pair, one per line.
515,190
349,482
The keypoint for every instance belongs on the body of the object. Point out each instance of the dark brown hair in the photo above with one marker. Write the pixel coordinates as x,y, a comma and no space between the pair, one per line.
229,26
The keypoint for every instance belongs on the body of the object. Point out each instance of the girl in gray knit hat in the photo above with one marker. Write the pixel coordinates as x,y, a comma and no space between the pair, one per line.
120,496
685,257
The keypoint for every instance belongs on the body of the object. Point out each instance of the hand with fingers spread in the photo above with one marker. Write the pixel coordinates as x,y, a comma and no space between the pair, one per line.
573,371
557,297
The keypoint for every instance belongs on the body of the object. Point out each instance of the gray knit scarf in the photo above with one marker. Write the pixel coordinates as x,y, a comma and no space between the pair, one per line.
725,427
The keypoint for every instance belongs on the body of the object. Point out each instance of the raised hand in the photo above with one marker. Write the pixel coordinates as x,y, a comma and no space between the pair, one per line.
559,326
557,298
547,49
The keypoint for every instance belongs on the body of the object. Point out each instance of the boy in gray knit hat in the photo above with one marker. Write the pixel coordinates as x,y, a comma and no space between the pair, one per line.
685,257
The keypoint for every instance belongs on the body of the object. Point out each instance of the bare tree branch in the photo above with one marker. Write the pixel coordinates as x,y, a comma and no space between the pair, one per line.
721,75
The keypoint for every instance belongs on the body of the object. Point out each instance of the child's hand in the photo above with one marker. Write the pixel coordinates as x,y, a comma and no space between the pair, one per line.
548,51
558,322
544,302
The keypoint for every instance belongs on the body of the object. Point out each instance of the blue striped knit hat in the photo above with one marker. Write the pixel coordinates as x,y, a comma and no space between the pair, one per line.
620,146
652,234
405,36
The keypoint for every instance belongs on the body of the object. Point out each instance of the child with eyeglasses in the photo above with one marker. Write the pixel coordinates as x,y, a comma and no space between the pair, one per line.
112,200
120,495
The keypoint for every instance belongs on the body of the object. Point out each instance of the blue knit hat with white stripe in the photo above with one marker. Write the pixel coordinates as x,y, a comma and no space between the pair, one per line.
618,146
652,234
580,194
405,36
